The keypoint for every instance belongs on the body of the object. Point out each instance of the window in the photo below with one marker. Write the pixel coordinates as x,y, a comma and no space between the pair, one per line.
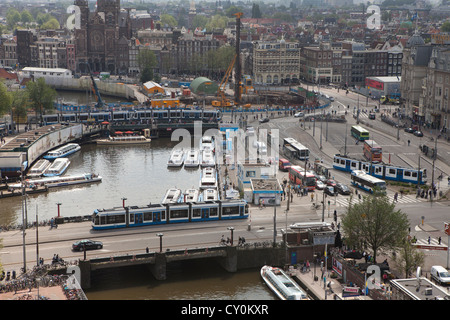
250,174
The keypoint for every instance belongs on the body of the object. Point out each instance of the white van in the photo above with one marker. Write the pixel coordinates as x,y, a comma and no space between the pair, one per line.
440,274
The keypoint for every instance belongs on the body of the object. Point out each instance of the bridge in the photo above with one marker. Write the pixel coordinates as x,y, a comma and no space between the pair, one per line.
231,258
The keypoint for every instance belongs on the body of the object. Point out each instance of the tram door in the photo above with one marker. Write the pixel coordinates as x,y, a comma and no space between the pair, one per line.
138,218
205,213
157,216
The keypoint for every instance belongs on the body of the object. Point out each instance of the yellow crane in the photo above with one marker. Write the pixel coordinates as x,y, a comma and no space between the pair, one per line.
223,100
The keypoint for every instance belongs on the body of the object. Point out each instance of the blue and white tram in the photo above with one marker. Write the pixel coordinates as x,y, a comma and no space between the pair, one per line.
381,170
154,214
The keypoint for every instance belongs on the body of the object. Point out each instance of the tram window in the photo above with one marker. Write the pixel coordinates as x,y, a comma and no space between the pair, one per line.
391,171
407,174
354,164
148,216
230,211
117,218
343,162
196,213
213,212
181,213
336,160
131,217
414,174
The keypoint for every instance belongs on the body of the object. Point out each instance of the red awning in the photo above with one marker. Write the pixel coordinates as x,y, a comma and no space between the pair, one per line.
119,132
129,132
105,122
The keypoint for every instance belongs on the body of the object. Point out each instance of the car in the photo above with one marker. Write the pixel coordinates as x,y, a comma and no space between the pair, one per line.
418,133
88,244
299,114
322,178
263,120
320,185
410,130
372,116
250,131
330,182
342,189
330,191
331,98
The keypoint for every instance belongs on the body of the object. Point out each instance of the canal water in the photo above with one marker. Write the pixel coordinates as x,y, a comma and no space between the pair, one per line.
139,174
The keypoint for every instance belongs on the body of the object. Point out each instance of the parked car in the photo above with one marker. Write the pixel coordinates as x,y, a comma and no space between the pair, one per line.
322,178
264,120
410,130
342,189
440,275
372,116
299,114
88,244
330,191
330,182
418,133
320,185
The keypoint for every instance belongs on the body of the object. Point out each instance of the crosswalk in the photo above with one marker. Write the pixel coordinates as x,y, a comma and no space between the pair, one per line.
344,201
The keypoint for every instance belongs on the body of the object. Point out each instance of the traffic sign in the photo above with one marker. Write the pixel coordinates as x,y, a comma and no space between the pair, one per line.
447,228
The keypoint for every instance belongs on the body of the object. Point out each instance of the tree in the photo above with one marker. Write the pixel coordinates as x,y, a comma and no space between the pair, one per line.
5,99
41,96
167,19
256,12
146,75
51,24
374,223
445,26
407,258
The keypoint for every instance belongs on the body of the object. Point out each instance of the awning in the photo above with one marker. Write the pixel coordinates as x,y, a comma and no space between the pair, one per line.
118,132
105,122
129,132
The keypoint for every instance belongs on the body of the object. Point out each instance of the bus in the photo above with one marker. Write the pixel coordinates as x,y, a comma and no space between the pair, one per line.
372,151
300,151
359,133
299,176
366,182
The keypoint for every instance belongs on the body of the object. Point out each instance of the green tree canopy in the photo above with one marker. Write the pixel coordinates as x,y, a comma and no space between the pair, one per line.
167,19
5,99
41,96
445,26
374,223
256,12
407,258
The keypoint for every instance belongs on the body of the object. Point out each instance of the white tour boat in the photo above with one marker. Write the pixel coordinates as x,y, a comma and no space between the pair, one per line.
63,151
176,158
281,284
191,195
208,159
125,140
207,143
172,196
209,195
39,168
52,182
208,178
192,159
57,168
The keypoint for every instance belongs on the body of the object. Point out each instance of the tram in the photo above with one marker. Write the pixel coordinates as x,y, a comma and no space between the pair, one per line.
381,170
155,214
141,115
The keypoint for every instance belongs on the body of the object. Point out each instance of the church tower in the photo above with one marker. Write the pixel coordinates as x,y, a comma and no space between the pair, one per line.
192,14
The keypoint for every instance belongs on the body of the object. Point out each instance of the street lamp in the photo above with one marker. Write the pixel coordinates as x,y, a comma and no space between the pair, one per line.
160,235
231,229
123,201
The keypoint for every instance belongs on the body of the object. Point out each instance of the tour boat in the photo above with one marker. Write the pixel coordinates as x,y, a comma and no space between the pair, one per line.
52,182
63,151
208,159
192,160
125,140
172,196
57,168
208,178
281,284
191,195
207,143
176,158
209,195
39,168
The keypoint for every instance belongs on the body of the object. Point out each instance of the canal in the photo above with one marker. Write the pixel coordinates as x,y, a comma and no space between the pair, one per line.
139,174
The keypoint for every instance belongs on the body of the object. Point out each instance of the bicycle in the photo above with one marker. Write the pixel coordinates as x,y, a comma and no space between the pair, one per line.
315,206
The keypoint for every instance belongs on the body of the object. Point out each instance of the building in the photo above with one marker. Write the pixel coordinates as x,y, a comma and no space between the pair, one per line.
153,88
383,86
276,62
266,191
204,85
417,289
318,61
99,42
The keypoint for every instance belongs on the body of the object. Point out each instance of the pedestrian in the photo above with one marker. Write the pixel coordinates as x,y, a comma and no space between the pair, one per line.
292,197
396,196
429,239
439,240
312,196
409,142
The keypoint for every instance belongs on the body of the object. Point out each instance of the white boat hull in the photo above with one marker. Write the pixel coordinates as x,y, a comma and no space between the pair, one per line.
281,284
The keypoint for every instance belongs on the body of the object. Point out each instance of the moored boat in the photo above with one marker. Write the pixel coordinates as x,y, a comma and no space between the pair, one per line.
281,284
209,195
52,182
38,168
192,159
176,158
57,168
208,179
208,159
191,195
207,143
172,196
63,151
125,140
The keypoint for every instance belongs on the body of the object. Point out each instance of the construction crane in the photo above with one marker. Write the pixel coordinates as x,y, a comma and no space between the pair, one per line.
236,64
100,104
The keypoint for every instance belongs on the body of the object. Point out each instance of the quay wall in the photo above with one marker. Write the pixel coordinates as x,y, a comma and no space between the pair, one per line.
85,83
